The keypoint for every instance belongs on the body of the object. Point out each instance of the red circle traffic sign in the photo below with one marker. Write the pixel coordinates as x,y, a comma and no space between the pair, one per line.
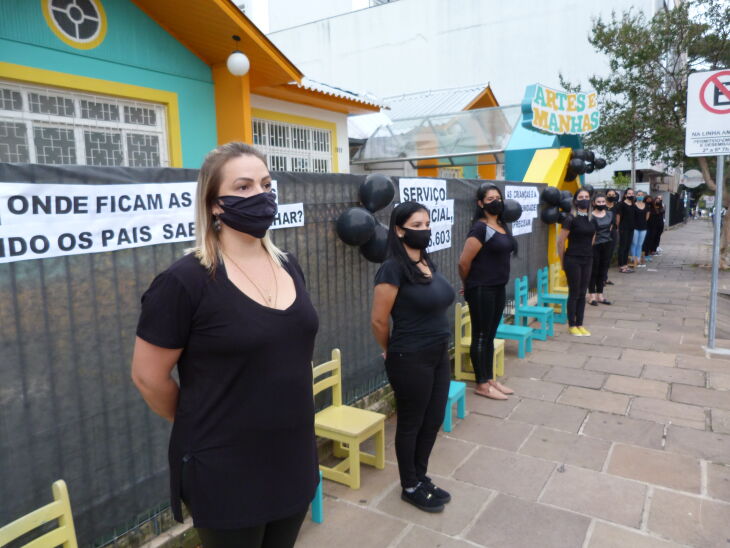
724,89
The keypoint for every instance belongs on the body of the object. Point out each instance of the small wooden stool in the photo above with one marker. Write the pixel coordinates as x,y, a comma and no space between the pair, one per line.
457,394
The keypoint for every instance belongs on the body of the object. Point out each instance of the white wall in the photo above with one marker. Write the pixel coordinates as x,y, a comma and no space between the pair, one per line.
340,120
417,45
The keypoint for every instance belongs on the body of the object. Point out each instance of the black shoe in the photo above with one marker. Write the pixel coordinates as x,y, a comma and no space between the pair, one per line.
605,302
437,492
422,498
609,282
593,303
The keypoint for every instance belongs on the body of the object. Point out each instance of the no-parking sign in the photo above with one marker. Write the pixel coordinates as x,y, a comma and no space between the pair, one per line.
708,113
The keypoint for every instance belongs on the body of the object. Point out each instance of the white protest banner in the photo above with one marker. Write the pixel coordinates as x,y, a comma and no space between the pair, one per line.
527,196
51,220
432,194
288,215
522,226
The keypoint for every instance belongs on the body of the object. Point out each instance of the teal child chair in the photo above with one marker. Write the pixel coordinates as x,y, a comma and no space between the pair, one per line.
523,336
317,506
545,298
457,394
523,311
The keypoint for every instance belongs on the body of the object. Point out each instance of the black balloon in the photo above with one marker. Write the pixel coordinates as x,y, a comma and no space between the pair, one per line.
376,192
566,204
579,154
562,216
566,194
376,248
578,166
590,189
600,163
590,166
590,156
551,196
550,215
356,226
512,211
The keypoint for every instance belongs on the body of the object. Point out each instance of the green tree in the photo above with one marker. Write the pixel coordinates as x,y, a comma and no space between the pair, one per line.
621,181
644,97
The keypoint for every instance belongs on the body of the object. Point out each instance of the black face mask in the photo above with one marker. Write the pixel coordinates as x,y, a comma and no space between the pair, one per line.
582,204
417,239
611,199
630,198
495,207
600,207
252,215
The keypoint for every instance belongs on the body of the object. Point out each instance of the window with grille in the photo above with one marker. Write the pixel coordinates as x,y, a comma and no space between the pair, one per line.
53,126
290,147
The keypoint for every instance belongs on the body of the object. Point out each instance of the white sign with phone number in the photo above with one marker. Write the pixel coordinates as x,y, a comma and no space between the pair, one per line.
432,194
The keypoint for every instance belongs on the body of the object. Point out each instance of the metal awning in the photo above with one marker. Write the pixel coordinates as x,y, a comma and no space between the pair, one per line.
467,138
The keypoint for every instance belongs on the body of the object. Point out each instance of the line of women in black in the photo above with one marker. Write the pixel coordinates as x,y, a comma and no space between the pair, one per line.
640,220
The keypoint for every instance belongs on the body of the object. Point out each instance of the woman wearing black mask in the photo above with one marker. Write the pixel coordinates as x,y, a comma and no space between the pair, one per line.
579,232
484,269
235,317
656,227
603,220
625,223
612,206
409,289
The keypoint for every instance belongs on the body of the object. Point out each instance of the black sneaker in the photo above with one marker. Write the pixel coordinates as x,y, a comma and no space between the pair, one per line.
437,492
423,499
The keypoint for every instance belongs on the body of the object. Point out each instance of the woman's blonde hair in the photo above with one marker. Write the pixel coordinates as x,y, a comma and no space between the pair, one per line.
207,245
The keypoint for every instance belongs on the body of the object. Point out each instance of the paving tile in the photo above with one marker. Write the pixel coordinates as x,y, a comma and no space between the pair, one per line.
618,367
718,481
575,377
637,324
537,390
707,445
649,358
719,381
507,472
621,315
372,483
601,495
448,453
420,537
703,364
568,448
554,415
674,374
658,467
466,500
485,430
666,411
612,536
486,406
697,522
705,397
595,399
351,526
509,522
720,421
525,369
624,429
637,387
551,345
563,359
581,349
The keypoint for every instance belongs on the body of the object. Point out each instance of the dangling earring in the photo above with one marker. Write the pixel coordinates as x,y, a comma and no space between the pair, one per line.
217,224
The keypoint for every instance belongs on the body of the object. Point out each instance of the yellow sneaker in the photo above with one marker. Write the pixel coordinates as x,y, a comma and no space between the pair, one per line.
584,331
575,331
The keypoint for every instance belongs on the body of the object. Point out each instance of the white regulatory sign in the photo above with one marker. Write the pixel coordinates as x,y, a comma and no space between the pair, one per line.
708,113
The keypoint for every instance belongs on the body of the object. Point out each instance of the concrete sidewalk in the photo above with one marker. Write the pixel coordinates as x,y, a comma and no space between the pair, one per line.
621,439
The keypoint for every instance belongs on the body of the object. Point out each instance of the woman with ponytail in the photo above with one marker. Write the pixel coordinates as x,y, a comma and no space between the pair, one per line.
484,268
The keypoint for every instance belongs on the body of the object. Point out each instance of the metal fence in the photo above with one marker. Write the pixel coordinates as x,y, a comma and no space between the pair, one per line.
67,406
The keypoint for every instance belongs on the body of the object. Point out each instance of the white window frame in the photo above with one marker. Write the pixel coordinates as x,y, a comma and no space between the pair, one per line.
313,152
79,124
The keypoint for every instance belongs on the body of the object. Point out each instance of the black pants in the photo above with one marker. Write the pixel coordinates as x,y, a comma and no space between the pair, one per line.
651,243
624,243
599,270
614,243
486,305
578,272
275,534
420,381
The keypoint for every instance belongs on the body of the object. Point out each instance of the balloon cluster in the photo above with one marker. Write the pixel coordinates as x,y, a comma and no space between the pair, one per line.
358,225
583,161
556,205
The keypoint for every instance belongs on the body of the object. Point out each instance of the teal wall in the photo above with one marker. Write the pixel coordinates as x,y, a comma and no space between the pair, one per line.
136,51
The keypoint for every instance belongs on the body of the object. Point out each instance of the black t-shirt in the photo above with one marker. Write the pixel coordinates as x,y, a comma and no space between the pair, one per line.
242,447
580,236
419,310
626,212
640,217
490,266
603,228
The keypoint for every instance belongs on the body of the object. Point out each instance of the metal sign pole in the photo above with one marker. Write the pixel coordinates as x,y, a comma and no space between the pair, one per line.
716,251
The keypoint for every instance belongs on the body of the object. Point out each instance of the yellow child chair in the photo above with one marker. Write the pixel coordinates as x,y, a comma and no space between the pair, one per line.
463,370
347,427
557,279
60,509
